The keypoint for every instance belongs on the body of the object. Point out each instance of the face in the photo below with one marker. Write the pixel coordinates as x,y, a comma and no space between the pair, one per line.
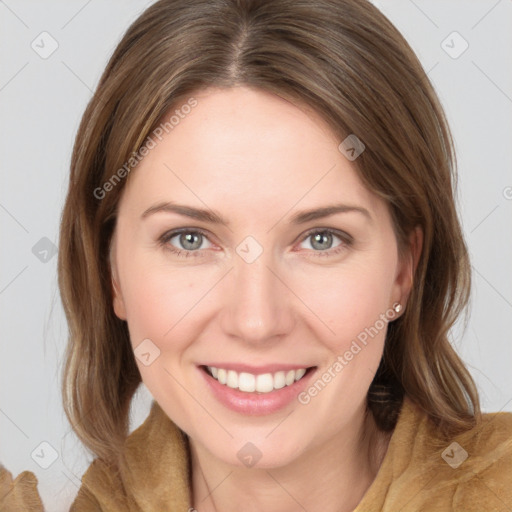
217,263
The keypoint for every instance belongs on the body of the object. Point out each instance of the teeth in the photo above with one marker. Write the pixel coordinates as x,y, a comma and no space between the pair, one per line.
222,376
246,382
264,383
299,373
279,380
232,380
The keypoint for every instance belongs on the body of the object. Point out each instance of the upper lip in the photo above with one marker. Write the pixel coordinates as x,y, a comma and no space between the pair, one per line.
258,370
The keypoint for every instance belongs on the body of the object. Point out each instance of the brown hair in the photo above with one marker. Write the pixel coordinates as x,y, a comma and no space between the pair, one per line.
346,61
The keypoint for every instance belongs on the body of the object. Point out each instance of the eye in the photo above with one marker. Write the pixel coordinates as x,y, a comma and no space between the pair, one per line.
185,242
321,241
188,242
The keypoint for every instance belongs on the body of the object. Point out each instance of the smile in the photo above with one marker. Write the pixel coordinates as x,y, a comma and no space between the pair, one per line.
247,390
249,383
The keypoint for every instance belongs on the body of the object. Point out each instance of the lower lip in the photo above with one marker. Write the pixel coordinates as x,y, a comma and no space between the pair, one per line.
254,404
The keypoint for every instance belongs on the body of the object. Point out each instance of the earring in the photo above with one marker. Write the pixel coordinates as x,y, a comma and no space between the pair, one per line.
397,307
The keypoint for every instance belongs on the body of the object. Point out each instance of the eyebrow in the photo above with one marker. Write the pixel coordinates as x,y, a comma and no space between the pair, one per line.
212,217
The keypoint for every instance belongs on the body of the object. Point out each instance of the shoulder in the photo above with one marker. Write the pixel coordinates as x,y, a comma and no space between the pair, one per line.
424,471
471,471
491,438
155,474
482,459
101,489
486,443
19,494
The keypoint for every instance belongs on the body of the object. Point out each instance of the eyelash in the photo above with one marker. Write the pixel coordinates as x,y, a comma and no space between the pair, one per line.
345,238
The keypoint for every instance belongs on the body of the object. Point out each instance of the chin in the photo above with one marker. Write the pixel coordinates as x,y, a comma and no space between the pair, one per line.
258,452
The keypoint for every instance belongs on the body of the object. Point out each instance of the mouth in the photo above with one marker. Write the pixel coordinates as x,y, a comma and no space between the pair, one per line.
258,384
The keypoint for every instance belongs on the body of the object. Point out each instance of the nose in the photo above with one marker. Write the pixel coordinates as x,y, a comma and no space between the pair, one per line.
257,305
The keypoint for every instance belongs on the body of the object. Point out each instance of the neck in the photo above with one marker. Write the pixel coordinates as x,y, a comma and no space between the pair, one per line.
317,480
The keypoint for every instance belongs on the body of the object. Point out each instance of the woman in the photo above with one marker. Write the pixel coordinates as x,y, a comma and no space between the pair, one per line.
260,226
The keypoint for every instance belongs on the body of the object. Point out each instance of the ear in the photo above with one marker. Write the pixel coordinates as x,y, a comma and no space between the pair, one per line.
117,296
407,266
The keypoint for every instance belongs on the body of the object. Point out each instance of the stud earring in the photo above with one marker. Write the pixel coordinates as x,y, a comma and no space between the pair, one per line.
397,307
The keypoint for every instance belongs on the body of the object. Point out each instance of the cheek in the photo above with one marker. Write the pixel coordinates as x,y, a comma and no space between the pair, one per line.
158,300
353,304
159,307
348,301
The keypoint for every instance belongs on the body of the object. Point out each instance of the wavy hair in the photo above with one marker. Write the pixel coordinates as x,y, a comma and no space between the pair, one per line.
344,59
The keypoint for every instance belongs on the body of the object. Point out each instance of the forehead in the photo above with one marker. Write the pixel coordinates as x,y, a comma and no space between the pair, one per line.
250,146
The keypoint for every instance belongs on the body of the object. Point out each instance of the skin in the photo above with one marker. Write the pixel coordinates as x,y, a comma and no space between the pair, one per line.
257,159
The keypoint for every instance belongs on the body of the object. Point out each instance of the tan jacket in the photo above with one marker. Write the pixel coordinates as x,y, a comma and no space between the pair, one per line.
420,472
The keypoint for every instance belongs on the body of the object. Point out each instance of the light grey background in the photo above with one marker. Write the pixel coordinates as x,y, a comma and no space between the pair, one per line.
41,103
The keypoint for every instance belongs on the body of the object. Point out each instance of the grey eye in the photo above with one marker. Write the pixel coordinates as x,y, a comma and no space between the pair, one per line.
188,240
321,240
